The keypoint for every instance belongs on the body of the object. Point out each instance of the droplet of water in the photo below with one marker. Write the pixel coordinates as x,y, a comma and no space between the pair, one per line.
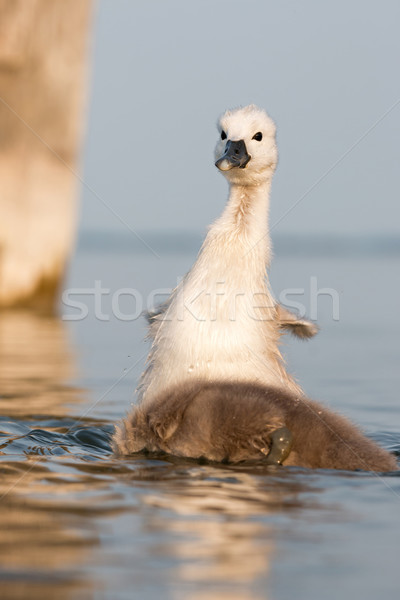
191,369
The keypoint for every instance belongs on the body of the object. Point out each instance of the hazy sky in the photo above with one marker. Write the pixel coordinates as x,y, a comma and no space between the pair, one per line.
163,71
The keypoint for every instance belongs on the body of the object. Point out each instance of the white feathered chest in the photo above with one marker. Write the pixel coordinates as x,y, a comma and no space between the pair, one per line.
220,323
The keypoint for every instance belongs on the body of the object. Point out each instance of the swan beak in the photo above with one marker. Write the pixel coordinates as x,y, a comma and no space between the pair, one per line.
235,155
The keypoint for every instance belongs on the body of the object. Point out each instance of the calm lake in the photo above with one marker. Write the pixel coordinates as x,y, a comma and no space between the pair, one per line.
75,522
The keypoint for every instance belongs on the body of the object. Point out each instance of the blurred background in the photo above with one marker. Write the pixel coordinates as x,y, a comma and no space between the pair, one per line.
164,71
147,81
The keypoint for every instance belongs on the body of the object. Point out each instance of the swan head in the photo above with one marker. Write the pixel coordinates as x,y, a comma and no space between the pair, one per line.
246,151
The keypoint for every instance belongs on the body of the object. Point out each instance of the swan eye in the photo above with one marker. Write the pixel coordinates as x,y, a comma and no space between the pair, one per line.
223,135
258,136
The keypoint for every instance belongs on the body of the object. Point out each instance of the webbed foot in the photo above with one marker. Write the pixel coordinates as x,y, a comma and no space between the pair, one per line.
281,446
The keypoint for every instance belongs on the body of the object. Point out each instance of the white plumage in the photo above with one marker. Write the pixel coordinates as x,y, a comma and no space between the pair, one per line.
221,322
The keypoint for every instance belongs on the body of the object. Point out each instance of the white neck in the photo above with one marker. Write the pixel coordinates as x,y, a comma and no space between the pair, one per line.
242,229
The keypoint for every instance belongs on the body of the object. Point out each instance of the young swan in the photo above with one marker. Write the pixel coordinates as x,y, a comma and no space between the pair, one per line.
215,385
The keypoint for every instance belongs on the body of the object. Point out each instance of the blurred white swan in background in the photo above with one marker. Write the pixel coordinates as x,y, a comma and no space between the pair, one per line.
43,64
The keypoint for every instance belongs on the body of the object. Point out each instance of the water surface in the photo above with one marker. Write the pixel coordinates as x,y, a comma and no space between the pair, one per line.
76,522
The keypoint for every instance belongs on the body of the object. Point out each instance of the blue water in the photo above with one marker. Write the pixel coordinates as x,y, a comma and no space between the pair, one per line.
76,522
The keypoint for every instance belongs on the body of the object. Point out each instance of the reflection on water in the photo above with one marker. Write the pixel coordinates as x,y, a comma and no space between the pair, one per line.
39,549
82,517
39,552
35,365
217,536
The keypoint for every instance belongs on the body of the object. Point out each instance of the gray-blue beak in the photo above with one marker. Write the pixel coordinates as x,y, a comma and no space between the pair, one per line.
235,155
